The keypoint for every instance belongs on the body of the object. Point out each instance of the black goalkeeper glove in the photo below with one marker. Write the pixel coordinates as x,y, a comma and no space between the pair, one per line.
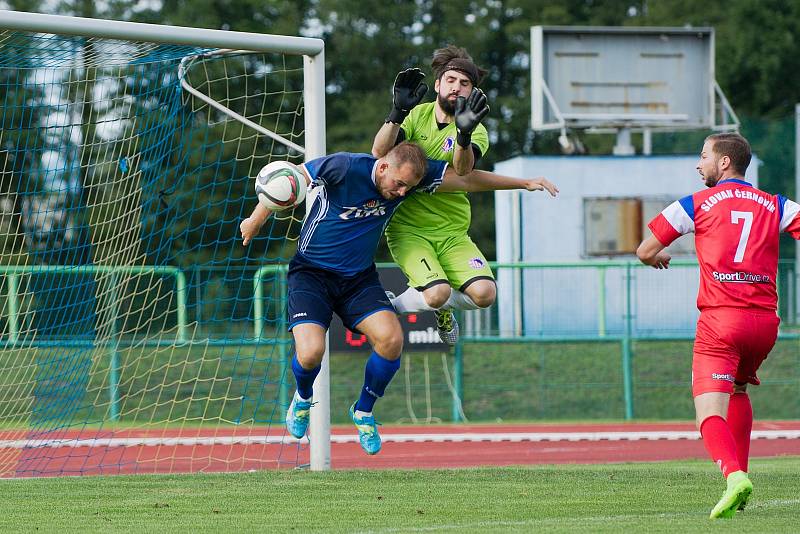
469,113
408,91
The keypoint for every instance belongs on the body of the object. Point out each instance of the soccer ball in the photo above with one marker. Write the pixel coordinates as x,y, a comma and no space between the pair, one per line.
280,185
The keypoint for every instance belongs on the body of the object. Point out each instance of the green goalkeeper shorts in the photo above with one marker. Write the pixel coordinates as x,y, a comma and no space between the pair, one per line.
425,262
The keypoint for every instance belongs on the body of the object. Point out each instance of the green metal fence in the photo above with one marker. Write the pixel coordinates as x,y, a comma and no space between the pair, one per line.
611,364
638,325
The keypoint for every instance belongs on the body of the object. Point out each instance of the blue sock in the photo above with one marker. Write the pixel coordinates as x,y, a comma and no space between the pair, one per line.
304,378
377,375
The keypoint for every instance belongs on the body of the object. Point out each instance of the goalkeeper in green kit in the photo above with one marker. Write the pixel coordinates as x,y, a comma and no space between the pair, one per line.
427,236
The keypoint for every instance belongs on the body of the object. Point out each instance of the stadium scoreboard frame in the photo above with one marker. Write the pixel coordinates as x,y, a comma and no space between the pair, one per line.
605,79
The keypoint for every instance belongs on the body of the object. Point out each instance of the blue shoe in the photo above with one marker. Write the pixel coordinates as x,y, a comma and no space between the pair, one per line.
367,432
297,417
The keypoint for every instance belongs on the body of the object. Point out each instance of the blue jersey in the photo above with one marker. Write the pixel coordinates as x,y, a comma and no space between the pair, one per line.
348,216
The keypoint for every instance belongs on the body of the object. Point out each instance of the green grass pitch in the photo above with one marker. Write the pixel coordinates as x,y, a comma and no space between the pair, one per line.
652,497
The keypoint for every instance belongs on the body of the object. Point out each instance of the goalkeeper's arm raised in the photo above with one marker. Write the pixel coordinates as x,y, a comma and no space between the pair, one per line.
468,115
408,91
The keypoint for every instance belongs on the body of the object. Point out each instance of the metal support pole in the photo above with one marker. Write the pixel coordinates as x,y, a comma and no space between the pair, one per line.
458,388
113,364
285,342
601,301
157,33
13,307
627,375
624,147
180,292
198,297
314,101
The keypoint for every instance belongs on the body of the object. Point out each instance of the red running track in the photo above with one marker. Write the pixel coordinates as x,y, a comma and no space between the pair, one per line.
428,447
471,454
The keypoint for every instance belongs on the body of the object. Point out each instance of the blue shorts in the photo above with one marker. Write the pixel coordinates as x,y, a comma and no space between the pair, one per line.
315,294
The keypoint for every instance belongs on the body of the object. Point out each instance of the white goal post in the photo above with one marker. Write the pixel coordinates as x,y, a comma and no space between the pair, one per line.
313,92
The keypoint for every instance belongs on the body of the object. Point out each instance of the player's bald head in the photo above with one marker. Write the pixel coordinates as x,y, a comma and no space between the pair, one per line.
408,154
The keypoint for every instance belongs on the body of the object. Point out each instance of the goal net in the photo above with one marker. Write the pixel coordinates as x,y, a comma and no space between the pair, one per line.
138,334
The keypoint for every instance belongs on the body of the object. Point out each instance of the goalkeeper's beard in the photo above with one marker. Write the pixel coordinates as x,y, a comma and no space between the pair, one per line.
447,106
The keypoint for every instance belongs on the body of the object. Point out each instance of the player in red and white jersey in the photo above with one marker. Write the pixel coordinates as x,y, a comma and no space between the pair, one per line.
737,230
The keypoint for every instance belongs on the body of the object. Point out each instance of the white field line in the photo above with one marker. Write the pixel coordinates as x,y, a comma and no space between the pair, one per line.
584,522
467,437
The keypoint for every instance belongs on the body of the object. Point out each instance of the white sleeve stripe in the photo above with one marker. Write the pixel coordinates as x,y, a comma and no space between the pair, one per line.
441,176
678,218
314,181
790,211
436,182
323,210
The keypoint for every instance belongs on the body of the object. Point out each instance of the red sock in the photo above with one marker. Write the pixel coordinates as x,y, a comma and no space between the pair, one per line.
720,444
740,421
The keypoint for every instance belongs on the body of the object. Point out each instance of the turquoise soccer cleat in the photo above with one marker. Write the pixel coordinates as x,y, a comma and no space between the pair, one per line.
367,432
297,417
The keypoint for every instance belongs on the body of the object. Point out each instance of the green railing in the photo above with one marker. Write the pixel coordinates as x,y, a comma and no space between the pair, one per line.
281,334
602,268
13,272
602,308
606,329
626,338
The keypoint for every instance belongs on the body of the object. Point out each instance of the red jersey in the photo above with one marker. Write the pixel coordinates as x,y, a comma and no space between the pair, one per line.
736,229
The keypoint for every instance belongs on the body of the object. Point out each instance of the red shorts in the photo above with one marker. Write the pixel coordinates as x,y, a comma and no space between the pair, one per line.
729,347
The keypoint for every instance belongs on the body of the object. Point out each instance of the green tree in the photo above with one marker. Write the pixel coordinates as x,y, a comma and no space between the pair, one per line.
23,104
198,208
368,42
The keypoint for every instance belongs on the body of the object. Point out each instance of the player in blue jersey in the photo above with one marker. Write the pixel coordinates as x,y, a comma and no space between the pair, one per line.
333,270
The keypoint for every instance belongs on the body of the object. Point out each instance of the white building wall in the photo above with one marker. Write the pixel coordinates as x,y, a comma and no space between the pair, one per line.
534,227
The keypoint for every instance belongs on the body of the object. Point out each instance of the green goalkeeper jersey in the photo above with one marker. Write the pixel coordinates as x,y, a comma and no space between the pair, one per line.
439,214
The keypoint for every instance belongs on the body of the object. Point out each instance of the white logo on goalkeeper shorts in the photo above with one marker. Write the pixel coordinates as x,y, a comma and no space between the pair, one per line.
301,314
476,263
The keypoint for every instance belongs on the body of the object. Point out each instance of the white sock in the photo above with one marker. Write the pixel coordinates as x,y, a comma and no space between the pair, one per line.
410,301
361,414
459,301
